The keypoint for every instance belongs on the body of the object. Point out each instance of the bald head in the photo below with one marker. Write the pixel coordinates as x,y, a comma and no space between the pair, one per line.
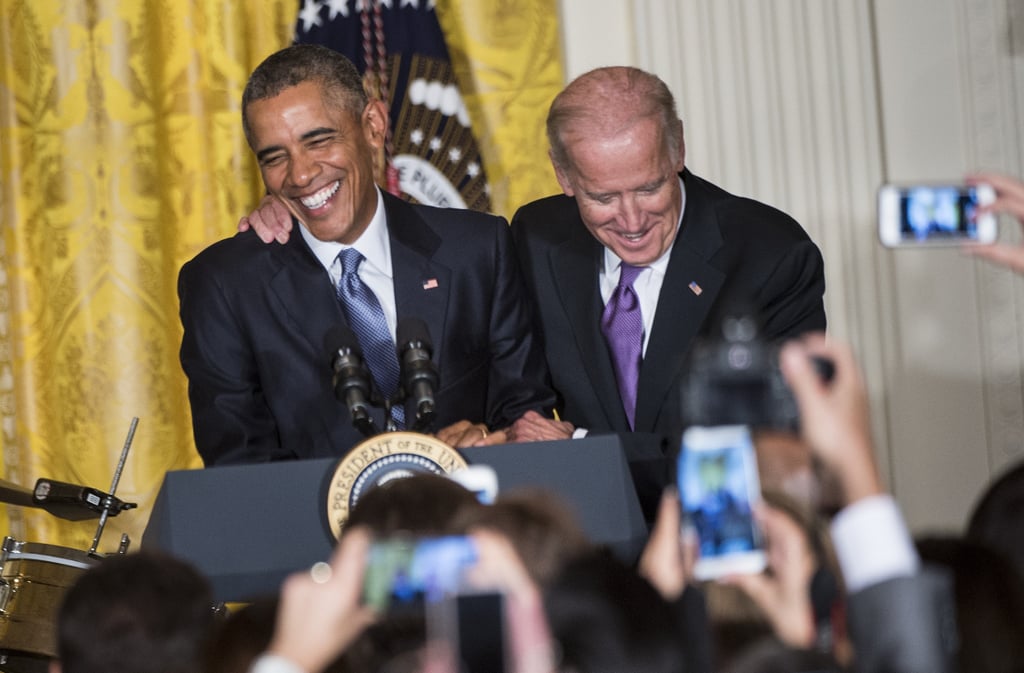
604,103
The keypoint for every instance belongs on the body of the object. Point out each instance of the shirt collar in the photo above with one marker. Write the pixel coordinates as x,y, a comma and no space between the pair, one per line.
373,244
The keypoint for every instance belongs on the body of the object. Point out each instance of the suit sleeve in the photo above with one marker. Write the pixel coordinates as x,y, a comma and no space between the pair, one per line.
231,420
792,295
519,371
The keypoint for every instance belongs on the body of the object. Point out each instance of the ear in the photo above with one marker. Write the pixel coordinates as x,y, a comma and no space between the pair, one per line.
375,123
55,666
562,176
682,149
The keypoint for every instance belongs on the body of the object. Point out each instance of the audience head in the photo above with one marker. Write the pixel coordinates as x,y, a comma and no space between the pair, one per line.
989,599
541,528
617,147
422,504
139,613
998,517
771,655
242,637
606,618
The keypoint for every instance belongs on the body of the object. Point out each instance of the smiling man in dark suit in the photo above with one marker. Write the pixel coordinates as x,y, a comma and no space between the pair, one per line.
256,317
688,251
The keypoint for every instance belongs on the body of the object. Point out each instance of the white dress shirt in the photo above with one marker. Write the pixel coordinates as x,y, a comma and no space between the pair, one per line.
375,271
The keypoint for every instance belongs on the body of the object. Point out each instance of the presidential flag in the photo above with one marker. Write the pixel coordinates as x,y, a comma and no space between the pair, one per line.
431,155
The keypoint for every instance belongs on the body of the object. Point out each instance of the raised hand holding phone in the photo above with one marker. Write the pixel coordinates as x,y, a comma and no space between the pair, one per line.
719,489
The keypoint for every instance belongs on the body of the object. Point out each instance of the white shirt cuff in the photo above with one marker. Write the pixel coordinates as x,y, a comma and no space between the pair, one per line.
872,543
579,433
273,663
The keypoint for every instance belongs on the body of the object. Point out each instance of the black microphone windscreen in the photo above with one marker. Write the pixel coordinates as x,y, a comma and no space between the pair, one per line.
413,330
339,337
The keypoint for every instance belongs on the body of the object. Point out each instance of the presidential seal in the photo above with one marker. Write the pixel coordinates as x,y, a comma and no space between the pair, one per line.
380,459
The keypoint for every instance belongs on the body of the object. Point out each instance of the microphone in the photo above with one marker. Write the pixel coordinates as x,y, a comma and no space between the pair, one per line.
351,381
74,502
419,373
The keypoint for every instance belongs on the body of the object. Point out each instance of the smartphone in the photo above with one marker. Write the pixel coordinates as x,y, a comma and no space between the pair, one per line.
472,627
916,215
406,573
719,487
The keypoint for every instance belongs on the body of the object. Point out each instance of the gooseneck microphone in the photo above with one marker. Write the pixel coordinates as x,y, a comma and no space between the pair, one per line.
419,373
351,379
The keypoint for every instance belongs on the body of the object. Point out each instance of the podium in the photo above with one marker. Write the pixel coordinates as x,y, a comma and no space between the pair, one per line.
246,527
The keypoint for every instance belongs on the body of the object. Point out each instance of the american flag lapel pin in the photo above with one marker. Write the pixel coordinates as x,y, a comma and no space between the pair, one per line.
430,284
694,288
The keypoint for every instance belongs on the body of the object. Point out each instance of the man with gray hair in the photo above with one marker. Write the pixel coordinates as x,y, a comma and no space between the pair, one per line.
640,257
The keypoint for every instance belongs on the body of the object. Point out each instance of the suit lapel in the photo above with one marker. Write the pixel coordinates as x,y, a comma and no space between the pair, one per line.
682,307
313,312
422,286
575,265
305,293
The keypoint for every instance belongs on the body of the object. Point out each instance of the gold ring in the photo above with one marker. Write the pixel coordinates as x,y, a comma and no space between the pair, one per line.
321,572
484,430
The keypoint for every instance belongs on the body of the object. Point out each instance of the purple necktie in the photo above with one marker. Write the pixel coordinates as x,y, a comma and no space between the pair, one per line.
623,328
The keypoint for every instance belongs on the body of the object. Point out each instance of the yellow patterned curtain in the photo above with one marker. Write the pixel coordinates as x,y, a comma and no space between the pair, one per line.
121,156
507,58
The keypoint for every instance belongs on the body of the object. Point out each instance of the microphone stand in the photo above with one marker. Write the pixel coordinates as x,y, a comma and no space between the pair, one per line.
108,502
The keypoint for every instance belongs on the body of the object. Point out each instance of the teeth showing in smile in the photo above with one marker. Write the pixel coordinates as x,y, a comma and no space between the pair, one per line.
633,237
320,198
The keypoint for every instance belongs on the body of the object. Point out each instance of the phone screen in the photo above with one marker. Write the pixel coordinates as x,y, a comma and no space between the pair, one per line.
408,572
718,486
934,214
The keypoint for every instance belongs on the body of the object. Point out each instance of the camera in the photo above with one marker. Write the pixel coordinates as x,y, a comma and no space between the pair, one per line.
734,379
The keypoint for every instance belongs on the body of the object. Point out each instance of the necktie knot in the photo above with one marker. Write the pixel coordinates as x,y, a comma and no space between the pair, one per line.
628,274
350,259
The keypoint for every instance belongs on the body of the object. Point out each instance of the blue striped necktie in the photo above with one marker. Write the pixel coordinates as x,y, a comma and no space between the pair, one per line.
366,318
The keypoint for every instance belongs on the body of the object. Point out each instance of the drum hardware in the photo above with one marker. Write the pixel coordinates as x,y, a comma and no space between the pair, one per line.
107,503
34,577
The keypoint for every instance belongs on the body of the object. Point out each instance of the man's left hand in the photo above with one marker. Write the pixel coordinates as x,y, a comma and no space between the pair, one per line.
463,434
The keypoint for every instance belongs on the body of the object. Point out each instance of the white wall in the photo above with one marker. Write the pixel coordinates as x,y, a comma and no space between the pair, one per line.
810,105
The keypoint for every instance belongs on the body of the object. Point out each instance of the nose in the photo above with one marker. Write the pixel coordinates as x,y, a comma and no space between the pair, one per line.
303,169
630,214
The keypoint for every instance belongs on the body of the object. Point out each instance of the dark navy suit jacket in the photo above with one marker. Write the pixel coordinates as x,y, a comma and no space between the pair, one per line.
255,318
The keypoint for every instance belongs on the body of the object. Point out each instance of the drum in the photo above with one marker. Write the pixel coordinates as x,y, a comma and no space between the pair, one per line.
33,579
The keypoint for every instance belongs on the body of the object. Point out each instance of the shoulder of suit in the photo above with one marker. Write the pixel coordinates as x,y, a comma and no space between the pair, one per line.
741,215
241,252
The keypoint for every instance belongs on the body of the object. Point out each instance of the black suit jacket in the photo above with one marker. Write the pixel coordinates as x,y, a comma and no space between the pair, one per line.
255,318
736,250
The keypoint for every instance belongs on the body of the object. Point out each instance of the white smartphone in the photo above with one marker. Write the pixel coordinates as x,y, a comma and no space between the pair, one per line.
934,214
719,487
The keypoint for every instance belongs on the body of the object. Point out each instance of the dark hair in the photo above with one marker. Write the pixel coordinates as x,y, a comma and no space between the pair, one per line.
339,81
607,618
543,530
989,597
140,613
422,504
998,517
771,655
